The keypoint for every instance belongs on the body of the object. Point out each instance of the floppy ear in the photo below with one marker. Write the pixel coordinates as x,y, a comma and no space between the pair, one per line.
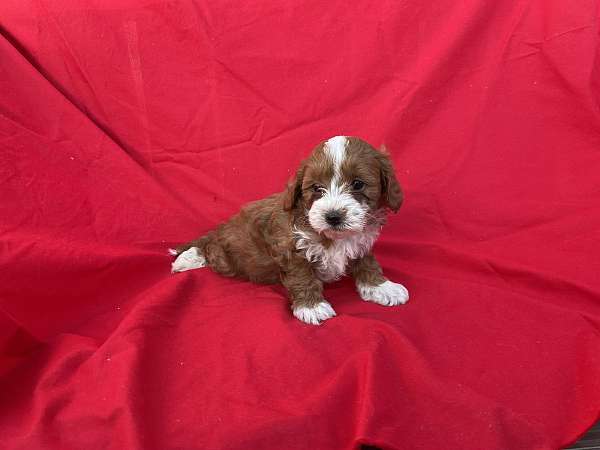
294,190
391,193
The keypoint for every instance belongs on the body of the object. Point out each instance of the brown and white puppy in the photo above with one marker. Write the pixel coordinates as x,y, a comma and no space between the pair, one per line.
320,228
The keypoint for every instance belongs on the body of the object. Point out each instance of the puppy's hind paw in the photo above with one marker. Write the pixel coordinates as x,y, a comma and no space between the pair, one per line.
387,293
314,315
188,260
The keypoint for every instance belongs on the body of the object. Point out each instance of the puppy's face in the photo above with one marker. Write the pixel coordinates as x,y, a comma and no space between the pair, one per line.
342,185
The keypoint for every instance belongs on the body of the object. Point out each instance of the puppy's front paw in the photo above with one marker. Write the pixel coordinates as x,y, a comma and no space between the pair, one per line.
387,293
314,315
188,260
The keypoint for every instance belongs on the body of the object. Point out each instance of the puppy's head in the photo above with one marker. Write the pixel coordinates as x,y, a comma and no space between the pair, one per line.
342,185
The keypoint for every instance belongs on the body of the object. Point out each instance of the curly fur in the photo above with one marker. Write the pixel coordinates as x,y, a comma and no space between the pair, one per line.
286,238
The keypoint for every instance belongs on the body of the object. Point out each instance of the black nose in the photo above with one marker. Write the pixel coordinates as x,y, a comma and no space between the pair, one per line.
334,218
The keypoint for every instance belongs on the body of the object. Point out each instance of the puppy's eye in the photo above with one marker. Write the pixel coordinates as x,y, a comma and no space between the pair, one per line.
357,185
318,188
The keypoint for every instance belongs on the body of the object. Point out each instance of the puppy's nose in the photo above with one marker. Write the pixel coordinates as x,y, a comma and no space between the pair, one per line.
334,218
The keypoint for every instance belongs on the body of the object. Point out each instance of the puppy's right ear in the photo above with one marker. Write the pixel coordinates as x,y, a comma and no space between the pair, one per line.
293,192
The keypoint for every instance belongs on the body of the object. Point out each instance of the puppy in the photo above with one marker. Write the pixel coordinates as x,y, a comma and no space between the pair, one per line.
320,228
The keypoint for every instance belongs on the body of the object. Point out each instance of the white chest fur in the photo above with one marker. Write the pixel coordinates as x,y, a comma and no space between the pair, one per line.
331,261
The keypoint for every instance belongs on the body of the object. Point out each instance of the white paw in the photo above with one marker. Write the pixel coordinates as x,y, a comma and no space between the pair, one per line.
188,260
387,293
314,315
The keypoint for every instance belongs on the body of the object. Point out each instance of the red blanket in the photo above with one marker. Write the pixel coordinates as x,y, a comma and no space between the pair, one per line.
129,126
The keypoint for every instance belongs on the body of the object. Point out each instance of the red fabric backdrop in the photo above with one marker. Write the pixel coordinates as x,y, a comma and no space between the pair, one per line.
129,126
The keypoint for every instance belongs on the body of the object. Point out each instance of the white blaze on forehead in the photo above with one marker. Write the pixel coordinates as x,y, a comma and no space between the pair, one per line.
335,149
334,197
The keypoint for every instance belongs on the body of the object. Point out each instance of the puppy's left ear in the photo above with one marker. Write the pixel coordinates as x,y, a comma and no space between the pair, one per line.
293,192
391,193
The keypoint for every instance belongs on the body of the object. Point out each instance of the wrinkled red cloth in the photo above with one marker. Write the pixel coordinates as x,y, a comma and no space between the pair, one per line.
127,127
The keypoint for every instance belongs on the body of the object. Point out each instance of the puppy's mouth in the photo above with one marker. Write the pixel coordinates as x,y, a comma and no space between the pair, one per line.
337,233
